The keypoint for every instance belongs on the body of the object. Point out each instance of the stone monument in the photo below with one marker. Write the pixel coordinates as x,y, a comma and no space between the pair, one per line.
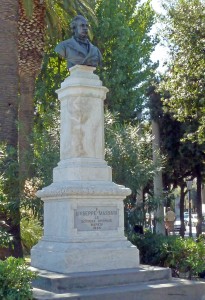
83,208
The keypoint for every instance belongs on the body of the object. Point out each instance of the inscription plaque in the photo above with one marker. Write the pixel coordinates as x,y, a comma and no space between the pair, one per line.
92,218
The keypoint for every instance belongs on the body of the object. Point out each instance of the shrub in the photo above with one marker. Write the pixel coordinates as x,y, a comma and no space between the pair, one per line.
31,232
5,243
5,238
150,247
181,255
15,280
185,256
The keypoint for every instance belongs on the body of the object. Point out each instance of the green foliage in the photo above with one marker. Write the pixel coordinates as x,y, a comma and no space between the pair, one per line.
9,201
178,151
149,246
5,238
9,182
15,280
173,145
31,206
31,232
47,115
124,40
46,133
59,14
46,153
185,79
136,212
9,196
181,255
128,150
185,255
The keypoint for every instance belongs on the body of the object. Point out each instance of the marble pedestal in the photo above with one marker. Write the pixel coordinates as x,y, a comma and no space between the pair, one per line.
83,208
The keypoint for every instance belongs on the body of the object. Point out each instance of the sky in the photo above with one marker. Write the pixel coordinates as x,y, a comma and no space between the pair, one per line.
160,54
156,4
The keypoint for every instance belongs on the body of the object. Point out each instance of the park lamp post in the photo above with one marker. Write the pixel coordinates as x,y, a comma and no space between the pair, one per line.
189,186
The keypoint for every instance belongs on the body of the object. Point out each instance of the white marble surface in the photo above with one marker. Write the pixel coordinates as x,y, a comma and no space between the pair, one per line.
82,115
82,191
84,169
68,258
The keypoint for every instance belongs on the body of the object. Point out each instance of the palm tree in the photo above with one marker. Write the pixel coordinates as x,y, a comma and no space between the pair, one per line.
31,36
9,110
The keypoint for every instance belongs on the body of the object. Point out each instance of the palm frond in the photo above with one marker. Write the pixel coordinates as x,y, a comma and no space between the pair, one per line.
56,19
28,7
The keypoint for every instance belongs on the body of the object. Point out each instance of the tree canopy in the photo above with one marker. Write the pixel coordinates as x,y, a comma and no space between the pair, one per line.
185,79
129,151
123,37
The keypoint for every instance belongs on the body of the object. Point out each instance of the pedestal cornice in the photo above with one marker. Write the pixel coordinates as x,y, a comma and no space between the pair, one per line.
86,189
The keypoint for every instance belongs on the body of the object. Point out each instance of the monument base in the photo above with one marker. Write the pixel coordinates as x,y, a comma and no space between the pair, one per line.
84,257
84,229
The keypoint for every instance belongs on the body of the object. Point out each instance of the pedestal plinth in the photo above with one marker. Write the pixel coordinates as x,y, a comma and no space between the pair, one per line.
83,208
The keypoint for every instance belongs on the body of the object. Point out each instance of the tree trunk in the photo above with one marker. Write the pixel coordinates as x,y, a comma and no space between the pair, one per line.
26,115
182,196
31,35
199,201
9,104
9,72
203,194
158,186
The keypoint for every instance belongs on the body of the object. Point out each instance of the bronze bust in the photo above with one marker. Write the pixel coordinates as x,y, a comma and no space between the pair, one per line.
78,50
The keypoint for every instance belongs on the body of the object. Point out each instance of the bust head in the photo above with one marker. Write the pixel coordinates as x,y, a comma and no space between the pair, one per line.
79,26
79,50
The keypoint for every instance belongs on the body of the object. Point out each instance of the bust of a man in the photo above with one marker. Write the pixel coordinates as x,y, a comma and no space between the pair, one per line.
78,50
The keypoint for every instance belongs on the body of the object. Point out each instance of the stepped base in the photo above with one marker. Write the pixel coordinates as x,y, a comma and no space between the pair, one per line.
144,283
62,283
176,289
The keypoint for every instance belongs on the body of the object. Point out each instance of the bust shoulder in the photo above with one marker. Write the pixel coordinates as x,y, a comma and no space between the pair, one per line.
68,42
